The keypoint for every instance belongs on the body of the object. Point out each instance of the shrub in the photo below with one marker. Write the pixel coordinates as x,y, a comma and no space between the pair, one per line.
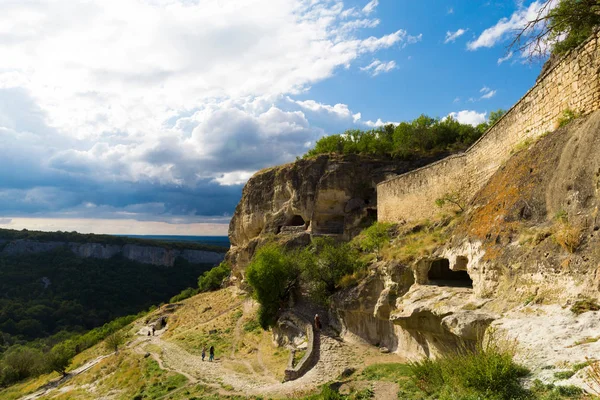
568,237
374,238
585,305
566,117
593,376
325,264
59,358
273,273
114,340
213,279
454,198
483,371
185,294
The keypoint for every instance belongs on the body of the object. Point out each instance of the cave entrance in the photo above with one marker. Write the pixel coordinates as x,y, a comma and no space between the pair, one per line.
440,274
296,220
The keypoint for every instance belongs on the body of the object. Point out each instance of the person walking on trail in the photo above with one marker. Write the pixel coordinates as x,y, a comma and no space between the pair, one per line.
203,352
317,322
211,353
153,329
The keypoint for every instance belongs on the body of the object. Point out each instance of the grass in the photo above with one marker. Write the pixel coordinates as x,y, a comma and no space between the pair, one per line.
585,305
329,392
486,371
298,356
568,236
390,372
561,375
567,116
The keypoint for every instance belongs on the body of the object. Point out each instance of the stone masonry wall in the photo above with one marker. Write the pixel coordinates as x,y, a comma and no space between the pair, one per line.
572,84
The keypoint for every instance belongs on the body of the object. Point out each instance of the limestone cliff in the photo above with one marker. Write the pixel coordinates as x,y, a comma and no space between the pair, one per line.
526,249
155,255
325,195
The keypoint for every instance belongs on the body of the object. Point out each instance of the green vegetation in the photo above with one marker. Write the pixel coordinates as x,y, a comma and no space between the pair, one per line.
391,372
453,198
585,305
75,237
485,372
328,392
213,279
374,238
58,294
424,136
575,21
114,340
324,264
560,29
275,273
566,117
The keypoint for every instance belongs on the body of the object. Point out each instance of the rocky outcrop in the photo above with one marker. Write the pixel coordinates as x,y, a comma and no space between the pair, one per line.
154,255
526,248
325,195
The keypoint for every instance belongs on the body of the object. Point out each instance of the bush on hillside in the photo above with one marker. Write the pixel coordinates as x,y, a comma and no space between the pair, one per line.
324,264
184,294
213,279
273,273
59,358
374,238
482,371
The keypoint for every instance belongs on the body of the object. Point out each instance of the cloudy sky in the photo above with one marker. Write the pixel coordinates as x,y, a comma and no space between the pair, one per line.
147,116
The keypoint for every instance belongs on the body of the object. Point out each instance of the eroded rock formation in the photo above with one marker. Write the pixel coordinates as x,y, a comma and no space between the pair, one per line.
155,255
325,195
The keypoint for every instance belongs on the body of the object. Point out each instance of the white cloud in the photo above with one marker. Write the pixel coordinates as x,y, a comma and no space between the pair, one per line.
379,123
370,7
377,67
506,26
505,58
456,100
452,36
484,89
489,94
450,10
468,117
175,91
234,178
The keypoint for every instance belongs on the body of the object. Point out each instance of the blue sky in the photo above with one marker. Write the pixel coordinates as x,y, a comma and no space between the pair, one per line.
147,116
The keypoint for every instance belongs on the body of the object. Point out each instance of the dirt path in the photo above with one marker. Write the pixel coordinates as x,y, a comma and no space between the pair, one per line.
333,359
53,385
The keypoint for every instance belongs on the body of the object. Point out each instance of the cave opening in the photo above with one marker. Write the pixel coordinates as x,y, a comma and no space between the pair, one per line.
296,220
440,274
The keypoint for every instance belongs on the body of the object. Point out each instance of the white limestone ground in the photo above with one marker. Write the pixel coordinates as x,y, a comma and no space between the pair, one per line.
550,338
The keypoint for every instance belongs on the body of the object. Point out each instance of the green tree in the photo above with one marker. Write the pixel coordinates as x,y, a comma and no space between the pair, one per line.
213,279
114,340
560,28
495,116
59,358
273,273
330,262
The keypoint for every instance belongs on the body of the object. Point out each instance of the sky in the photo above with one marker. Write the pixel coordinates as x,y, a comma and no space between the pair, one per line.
148,116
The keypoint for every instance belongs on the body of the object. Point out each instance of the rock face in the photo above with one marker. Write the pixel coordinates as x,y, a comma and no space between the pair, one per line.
526,248
143,254
325,195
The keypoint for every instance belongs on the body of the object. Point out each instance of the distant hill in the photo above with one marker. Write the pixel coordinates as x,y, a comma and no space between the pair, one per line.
56,284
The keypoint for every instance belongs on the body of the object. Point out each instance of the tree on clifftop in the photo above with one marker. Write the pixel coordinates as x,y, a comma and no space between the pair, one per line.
558,26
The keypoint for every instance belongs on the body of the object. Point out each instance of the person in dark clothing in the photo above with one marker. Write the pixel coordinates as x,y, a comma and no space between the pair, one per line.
317,322
211,353
153,329
203,352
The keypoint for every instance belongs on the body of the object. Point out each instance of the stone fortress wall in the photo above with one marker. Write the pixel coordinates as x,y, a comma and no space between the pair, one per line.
572,84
